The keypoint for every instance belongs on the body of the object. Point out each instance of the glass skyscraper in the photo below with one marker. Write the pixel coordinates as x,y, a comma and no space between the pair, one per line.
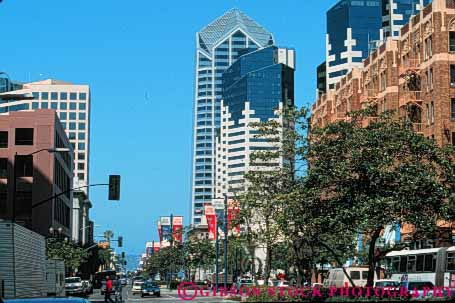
218,46
351,24
254,88
393,20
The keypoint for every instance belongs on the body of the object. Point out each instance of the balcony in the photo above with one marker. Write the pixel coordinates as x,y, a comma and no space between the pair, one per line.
369,96
408,97
409,65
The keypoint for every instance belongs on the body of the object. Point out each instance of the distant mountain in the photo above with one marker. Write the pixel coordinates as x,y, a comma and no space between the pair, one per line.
132,261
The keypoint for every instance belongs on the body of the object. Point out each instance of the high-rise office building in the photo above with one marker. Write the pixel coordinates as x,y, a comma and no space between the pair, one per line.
254,88
72,105
351,24
218,46
393,19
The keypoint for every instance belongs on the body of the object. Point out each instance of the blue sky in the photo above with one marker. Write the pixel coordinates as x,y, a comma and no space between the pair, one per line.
138,58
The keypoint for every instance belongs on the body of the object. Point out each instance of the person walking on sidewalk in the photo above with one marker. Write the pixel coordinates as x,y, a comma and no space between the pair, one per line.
107,293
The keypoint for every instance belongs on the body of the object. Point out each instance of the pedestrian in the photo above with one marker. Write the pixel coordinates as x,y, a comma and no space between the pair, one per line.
107,293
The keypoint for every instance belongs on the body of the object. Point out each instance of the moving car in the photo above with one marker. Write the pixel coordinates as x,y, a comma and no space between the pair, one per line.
150,289
73,286
137,287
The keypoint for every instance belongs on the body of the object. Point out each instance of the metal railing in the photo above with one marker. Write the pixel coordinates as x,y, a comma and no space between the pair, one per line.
409,64
410,97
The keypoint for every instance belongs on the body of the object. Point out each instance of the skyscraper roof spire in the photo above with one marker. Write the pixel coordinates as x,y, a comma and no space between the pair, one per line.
231,20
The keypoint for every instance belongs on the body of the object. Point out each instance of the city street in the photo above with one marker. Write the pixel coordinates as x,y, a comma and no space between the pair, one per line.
166,296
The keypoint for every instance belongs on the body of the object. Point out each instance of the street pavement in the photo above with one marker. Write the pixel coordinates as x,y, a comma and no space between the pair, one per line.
166,296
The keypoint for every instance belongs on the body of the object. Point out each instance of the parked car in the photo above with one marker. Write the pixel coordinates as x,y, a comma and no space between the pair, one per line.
137,287
283,283
48,300
73,286
87,286
424,288
244,282
150,289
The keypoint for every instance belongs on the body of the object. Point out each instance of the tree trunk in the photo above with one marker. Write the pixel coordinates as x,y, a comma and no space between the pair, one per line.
268,263
371,256
298,264
335,256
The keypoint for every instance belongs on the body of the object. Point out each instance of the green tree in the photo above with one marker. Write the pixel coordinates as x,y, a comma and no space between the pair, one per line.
68,251
382,174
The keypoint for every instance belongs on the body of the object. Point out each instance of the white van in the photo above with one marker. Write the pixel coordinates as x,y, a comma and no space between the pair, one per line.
337,278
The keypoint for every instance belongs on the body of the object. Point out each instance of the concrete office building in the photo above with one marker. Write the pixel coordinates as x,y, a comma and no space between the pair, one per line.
38,176
72,104
218,46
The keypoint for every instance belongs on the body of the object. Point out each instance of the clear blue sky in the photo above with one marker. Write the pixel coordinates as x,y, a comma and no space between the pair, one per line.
138,58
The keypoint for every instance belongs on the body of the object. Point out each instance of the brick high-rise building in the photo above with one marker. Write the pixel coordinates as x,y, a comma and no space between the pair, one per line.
413,74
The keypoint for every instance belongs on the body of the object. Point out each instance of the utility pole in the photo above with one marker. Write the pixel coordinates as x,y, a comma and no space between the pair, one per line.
225,240
172,251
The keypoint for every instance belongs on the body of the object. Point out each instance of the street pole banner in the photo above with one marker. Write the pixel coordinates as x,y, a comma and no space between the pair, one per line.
156,247
166,232
149,248
211,221
177,228
233,215
159,231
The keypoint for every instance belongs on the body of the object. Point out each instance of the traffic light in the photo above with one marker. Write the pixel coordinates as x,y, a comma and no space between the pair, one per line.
123,255
120,241
114,187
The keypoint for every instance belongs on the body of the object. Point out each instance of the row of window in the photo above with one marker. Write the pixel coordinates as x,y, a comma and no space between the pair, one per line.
63,105
23,136
59,96
72,125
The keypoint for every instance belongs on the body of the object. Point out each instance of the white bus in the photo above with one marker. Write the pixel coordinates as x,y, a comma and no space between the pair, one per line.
436,265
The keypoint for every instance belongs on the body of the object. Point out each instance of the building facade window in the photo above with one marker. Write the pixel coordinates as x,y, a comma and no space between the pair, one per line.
452,103
432,112
3,139
451,42
24,136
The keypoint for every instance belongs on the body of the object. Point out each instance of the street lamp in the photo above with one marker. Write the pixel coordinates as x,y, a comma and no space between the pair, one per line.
49,150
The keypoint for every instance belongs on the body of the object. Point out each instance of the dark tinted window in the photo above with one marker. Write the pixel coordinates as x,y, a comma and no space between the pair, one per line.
3,139
24,166
24,136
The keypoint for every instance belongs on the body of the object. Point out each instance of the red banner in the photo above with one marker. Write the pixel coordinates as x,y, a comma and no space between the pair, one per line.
211,221
156,247
159,231
233,215
177,228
